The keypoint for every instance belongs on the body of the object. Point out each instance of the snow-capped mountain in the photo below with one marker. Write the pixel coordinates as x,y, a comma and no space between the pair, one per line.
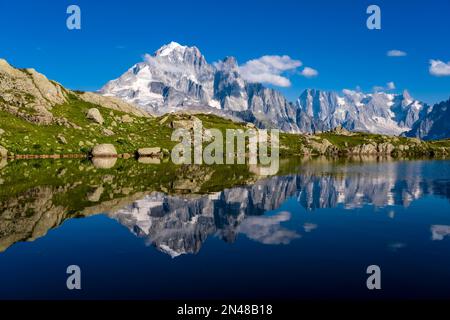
435,125
178,77
175,75
379,112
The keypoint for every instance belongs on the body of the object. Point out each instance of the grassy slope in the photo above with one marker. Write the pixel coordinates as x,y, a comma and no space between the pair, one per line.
22,137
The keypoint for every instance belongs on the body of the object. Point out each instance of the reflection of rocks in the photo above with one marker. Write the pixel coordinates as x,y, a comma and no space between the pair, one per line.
440,232
180,223
149,160
3,152
3,163
29,216
104,163
192,178
104,150
94,196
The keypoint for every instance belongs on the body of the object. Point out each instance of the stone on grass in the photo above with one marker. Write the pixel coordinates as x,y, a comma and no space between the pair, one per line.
3,152
126,119
108,132
95,115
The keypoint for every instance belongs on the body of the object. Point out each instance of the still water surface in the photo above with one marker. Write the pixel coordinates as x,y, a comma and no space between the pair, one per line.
164,232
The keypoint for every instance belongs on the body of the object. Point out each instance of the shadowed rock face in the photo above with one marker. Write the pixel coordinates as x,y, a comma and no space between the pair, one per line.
29,95
435,125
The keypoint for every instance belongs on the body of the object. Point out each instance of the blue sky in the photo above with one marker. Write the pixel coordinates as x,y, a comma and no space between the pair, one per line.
329,36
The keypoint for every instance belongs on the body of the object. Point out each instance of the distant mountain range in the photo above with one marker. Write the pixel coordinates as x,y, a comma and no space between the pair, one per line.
178,78
435,125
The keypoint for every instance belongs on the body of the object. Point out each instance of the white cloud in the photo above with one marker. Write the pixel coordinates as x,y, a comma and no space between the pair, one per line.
439,68
269,70
389,86
396,53
309,72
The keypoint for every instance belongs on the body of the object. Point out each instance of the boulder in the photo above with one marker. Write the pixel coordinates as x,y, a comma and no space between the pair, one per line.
3,152
149,152
104,150
386,148
368,148
321,146
61,139
342,131
108,132
95,115
187,124
126,119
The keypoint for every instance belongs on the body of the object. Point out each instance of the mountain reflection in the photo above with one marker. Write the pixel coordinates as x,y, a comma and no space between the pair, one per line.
177,208
179,225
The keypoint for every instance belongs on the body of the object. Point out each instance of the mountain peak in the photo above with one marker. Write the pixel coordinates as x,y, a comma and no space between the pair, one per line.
174,49
169,48
230,61
406,95
5,66
227,64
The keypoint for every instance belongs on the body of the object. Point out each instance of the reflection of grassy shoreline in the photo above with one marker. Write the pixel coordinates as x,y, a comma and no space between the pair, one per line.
37,195
21,175
128,176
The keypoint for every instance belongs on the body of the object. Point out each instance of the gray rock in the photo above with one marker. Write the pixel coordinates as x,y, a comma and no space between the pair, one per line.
435,125
386,148
61,139
3,152
126,119
95,115
108,132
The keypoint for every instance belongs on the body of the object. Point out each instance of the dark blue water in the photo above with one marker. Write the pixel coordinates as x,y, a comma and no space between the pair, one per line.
308,235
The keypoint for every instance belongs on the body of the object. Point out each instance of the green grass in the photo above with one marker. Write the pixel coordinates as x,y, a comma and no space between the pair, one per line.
23,137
